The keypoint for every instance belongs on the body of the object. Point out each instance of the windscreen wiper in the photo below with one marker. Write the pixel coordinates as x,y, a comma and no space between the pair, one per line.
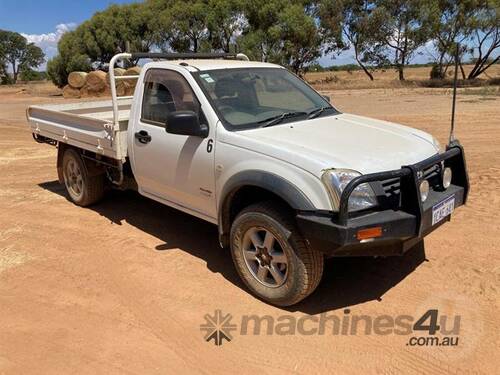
277,119
316,112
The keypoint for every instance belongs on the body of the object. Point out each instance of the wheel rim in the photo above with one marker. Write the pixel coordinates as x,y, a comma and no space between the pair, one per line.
74,178
264,257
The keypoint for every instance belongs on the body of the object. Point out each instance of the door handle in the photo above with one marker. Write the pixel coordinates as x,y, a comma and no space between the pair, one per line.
143,137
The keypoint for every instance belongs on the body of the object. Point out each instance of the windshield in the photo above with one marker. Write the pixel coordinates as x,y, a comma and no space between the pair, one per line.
256,97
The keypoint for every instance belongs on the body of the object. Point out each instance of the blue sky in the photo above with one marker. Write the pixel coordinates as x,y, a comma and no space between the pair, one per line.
44,21
42,16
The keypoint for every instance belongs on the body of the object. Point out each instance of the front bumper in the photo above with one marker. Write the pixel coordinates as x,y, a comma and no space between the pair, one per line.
404,221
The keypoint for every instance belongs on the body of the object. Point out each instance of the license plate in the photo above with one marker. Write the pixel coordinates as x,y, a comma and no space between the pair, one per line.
442,209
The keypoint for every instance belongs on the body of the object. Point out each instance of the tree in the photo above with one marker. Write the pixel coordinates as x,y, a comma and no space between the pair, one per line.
284,32
181,26
18,53
31,75
398,32
472,24
73,55
301,43
113,30
348,24
59,67
260,39
449,23
4,77
92,44
225,20
485,37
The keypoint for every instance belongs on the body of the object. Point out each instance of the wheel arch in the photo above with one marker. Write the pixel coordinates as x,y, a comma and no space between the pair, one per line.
245,188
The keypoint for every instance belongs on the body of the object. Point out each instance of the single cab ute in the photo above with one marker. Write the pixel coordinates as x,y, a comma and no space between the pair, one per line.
253,149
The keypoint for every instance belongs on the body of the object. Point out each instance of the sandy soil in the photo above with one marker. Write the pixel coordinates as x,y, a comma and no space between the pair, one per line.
123,287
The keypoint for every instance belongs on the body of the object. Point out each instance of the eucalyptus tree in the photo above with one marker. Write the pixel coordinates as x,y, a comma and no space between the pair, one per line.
399,31
472,24
284,32
349,25
485,37
225,22
18,54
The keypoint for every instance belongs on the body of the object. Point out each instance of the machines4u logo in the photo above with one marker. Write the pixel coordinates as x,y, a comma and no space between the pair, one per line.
218,327
429,329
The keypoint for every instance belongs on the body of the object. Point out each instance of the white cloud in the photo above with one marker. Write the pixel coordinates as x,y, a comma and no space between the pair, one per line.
48,42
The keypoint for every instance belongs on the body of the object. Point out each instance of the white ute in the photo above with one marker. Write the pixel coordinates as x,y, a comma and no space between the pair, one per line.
250,147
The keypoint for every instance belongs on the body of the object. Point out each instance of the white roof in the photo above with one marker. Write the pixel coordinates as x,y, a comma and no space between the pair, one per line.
200,64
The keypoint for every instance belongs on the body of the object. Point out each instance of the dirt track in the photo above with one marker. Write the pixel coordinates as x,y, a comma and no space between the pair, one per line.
123,287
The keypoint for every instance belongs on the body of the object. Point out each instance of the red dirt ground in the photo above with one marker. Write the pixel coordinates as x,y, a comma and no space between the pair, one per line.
123,287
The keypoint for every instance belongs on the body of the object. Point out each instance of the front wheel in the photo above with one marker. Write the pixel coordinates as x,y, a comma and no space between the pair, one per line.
271,256
83,189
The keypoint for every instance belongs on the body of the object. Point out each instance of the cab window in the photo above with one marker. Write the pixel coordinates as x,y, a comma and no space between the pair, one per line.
166,91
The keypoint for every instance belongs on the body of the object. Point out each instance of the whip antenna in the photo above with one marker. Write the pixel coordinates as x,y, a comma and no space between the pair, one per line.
453,105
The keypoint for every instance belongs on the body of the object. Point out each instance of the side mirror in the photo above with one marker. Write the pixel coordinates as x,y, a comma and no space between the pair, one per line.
326,97
185,123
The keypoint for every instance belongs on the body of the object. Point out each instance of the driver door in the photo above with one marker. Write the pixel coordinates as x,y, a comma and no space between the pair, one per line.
175,169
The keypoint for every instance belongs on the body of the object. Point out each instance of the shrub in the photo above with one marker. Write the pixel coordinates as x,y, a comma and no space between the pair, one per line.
56,72
437,72
58,69
32,75
494,81
6,80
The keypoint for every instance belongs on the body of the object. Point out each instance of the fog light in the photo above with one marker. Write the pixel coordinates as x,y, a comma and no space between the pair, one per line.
447,177
424,190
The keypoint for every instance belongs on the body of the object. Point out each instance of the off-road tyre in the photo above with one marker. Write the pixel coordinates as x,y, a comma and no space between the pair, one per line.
304,265
83,188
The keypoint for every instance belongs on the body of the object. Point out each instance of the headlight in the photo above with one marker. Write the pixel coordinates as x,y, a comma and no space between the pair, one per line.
335,181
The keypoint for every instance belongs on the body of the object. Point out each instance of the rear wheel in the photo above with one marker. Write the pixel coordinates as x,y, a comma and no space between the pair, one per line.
271,256
83,189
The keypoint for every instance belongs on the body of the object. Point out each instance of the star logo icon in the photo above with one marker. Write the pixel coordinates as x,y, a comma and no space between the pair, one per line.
218,327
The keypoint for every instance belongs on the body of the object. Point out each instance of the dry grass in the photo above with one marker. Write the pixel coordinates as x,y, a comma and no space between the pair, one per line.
415,77
479,94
